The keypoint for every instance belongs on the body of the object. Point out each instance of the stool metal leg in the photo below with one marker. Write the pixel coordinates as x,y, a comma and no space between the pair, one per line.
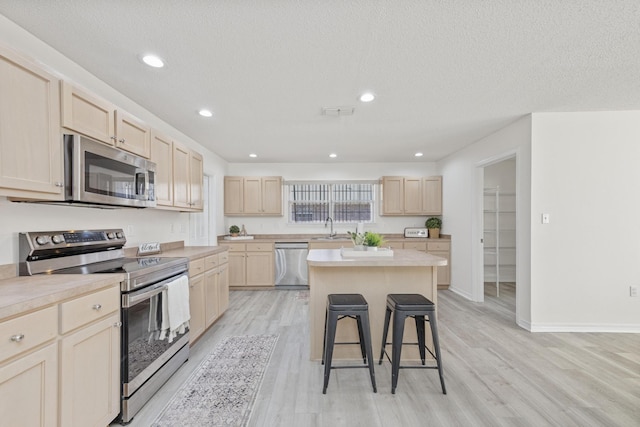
385,331
366,334
436,344
398,334
324,336
329,342
421,337
362,344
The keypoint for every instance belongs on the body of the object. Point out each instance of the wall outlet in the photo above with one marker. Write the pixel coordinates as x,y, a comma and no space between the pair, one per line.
633,291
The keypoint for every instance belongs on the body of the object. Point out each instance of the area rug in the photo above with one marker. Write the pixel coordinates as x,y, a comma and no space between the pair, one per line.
222,390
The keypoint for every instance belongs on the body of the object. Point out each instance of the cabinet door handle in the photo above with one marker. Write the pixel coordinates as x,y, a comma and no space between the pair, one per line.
121,140
117,324
59,184
97,307
17,338
113,137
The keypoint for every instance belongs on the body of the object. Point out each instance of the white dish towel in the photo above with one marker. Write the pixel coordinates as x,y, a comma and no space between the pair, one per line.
175,308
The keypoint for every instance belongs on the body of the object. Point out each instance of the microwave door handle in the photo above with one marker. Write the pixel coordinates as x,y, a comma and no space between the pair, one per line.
141,190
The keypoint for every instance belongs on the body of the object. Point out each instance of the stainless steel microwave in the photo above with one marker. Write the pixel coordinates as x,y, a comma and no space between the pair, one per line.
96,174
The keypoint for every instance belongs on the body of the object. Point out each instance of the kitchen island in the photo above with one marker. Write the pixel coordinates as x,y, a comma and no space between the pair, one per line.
407,271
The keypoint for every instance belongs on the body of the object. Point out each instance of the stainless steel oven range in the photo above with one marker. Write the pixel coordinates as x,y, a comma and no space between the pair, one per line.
146,360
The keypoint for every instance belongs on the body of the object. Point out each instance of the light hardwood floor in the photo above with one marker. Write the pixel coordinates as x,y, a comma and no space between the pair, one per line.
496,373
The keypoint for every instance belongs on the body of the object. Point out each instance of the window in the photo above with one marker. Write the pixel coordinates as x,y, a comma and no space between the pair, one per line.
345,202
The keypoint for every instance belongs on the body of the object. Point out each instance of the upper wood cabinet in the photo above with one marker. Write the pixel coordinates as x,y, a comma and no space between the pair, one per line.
162,156
411,195
187,178
92,116
252,196
30,143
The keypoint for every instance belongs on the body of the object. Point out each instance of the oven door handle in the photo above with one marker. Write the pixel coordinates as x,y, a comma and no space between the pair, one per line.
129,300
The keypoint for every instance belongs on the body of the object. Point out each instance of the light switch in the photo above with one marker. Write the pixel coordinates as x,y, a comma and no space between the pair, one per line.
545,218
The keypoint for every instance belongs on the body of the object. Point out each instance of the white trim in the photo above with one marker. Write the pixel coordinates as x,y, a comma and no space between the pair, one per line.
586,327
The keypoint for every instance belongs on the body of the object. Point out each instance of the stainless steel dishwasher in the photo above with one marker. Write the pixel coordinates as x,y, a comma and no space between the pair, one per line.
291,265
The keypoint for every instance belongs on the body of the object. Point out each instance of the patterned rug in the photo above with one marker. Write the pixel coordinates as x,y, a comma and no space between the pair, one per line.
222,390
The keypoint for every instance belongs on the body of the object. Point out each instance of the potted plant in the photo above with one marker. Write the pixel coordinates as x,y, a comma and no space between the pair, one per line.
433,225
234,230
373,241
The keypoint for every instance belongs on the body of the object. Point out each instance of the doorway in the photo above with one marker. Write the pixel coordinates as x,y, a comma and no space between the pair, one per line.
499,232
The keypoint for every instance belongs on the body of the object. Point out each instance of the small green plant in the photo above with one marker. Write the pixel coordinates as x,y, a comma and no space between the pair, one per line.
234,229
433,223
373,239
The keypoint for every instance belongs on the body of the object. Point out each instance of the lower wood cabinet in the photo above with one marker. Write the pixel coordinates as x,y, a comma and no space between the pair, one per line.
251,264
438,247
61,364
90,374
208,292
29,389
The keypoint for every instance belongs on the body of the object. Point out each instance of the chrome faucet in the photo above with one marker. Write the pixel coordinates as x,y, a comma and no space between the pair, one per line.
326,221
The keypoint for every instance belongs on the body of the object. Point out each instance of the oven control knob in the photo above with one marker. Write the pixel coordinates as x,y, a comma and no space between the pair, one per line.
119,234
111,235
58,238
42,240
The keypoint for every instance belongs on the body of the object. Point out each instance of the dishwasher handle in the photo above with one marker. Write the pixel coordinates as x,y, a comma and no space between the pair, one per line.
292,245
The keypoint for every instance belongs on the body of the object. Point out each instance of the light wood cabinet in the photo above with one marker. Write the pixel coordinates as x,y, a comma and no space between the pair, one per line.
251,264
90,374
253,196
162,156
29,389
197,323
187,178
61,365
438,247
209,292
411,195
97,118
31,160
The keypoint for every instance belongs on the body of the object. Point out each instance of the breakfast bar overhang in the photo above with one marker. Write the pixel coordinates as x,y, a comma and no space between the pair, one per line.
407,271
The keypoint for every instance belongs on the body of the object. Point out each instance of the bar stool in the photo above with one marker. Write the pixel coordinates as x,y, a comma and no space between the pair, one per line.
353,306
416,306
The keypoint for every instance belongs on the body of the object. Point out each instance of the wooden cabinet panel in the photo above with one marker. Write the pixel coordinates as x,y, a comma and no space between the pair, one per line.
85,309
29,389
211,296
223,288
162,156
87,114
181,176
132,134
418,246
197,323
195,181
31,160
411,195
252,196
90,374
237,269
259,269
28,331
196,267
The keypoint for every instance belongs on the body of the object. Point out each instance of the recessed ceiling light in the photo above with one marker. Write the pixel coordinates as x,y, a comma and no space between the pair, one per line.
153,61
333,155
254,155
418,154
205,113
367,97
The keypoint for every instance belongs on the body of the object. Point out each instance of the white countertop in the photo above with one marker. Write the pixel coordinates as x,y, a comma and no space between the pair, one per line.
400,258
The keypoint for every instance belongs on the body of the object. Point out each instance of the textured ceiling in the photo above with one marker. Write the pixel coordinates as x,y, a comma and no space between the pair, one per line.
446,73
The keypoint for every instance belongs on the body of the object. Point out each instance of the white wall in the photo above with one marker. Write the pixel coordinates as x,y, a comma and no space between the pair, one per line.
328,172
147,224
463,194
585,174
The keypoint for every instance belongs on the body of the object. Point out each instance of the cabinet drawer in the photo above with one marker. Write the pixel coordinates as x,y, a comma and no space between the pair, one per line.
196,267
259,247
394,244
223,257
210,262
438,246
88,308
237,247
419,246
28,331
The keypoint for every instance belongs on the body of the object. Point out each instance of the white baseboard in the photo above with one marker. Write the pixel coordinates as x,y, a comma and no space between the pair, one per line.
585,327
